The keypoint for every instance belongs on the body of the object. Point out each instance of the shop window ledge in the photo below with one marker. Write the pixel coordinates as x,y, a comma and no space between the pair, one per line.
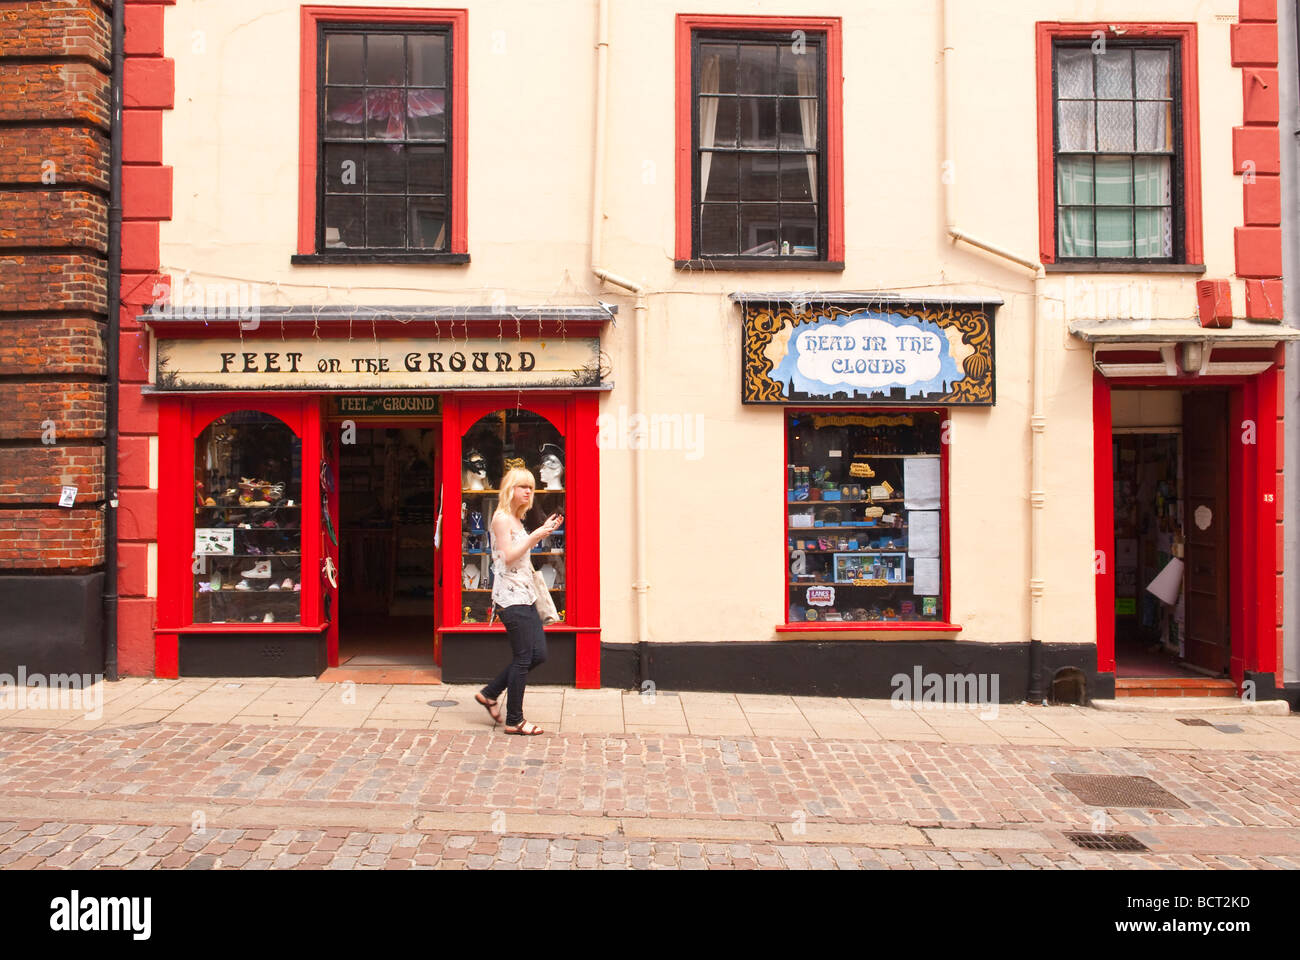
247,628
865,631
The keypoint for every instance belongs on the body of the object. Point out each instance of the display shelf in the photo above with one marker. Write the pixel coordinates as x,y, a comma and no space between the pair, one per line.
872,585
837,503
489,590
841,526
245,506
853,552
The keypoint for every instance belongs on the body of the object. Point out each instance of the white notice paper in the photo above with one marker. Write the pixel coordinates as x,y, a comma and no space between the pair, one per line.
921,483
923,533
925,577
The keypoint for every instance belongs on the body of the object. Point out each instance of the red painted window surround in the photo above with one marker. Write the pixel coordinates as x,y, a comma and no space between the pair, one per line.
875,628
312,17
830,27
1185,34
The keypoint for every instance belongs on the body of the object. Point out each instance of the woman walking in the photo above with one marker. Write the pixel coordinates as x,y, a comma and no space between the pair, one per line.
514,595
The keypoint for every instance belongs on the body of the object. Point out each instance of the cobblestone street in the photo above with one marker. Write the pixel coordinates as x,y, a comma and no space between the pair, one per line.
253,796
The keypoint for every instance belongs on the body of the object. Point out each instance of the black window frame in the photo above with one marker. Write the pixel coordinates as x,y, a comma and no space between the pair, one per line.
1178,205
813,38
406,254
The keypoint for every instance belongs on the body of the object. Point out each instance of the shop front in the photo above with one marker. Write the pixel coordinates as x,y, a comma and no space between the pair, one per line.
892,572
326,483
1187,459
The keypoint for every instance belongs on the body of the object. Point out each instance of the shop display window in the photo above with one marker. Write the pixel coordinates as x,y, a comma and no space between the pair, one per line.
247,521
863,517
496,442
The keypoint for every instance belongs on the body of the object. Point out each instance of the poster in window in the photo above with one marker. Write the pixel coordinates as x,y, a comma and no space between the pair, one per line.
921,483
923,533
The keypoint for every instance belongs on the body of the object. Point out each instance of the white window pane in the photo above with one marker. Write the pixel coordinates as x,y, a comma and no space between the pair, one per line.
1153,73
1114,74
1073,73
1074,126
1115,126
1155,130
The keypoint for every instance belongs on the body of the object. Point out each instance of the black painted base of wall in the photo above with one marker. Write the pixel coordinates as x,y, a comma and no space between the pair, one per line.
250,655
478,658
52,624
1266,688
846,668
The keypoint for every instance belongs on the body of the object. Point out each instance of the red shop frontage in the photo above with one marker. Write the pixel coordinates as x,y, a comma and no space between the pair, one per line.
327,477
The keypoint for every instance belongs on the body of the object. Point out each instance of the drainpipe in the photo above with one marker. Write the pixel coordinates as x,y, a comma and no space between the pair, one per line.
640,587
1038,417
111,351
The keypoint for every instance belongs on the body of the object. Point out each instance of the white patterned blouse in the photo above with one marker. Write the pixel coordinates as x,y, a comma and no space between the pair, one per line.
512,584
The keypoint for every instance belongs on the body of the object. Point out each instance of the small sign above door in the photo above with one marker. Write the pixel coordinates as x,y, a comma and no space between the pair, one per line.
388,405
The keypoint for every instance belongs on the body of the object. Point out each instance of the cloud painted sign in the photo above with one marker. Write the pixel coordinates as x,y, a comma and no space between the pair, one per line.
898,355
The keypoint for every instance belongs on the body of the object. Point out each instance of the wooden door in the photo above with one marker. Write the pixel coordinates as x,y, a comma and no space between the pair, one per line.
1205,525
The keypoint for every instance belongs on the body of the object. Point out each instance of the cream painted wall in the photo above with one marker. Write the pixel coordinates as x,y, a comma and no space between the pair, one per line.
716,537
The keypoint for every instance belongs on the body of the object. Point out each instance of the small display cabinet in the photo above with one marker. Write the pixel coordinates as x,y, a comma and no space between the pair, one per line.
493,444
863,531
247,521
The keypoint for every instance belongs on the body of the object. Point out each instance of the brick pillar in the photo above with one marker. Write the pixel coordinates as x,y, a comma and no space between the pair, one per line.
55,91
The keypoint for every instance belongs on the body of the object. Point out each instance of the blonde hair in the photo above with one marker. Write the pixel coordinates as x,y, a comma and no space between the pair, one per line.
512,479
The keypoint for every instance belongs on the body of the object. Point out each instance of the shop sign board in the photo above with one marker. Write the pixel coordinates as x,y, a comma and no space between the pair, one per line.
388,405
894,353
306,363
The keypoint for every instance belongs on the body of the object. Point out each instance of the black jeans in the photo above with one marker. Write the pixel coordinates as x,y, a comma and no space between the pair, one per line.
528,643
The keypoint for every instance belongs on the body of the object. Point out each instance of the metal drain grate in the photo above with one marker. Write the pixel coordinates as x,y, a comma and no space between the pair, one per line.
1111,842
442,703
1104,790
1194,721
1228,728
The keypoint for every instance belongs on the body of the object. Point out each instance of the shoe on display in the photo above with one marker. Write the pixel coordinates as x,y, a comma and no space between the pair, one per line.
261,570
269,618
297,588
275,587
287,584
243,585
214,581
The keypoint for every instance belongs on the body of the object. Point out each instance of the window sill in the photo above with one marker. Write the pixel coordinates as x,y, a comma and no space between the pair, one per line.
246,628
1122,266
867,631
721,266
303,259
499,628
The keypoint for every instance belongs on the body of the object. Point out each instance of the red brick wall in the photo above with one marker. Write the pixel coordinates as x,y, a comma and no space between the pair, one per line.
54,155
54,218
56,29
56,345
54,306
51,539
39,475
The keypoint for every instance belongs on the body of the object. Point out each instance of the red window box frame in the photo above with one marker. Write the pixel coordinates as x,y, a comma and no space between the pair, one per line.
832,29
180,421
574,416
312,17
1185,35
901,629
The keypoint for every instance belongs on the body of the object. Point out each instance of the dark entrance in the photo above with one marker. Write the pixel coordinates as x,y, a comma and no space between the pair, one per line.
388,511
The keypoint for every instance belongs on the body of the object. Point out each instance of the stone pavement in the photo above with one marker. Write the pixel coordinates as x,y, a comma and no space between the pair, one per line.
309,703
282,774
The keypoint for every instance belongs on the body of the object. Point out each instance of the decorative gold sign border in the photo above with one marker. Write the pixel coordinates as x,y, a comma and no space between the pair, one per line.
762,324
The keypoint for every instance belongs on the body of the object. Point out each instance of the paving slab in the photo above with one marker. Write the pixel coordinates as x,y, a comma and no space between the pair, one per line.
969,839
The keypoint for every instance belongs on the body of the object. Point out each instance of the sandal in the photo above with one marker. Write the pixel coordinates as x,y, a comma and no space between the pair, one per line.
490,706
525,729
